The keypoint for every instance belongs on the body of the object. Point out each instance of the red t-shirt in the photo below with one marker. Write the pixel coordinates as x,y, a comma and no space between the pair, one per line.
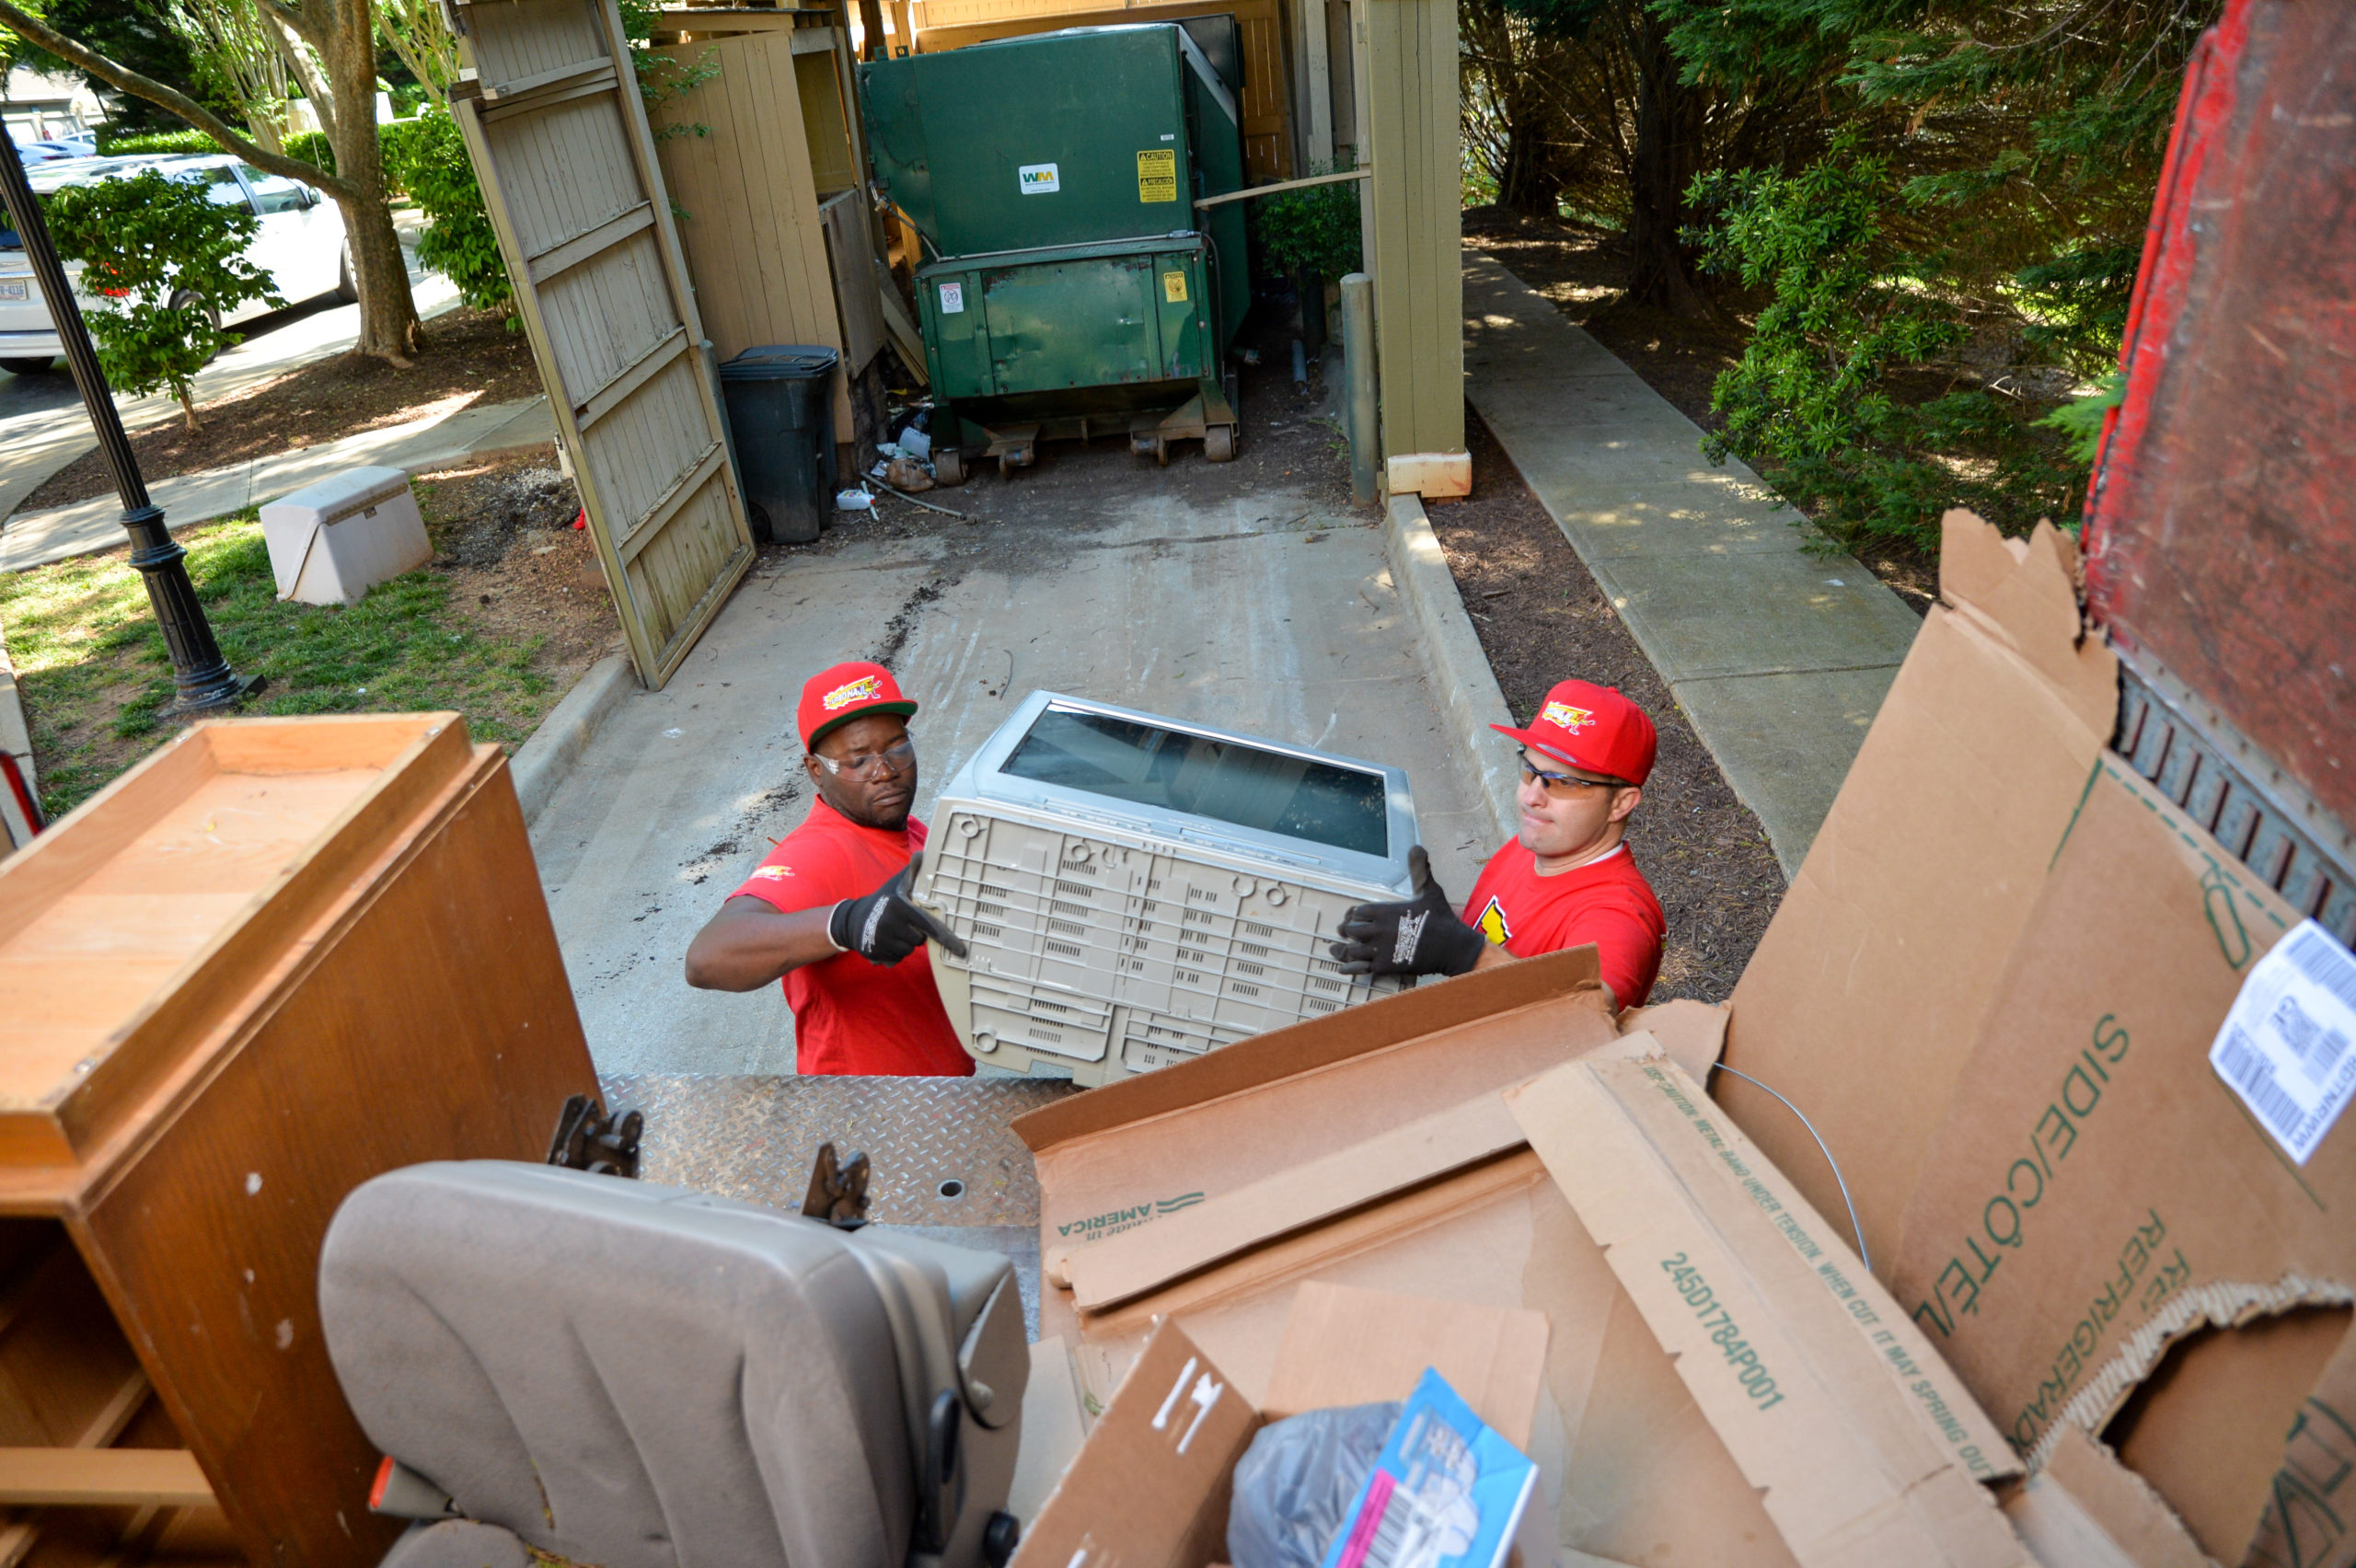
1606,902
851,1016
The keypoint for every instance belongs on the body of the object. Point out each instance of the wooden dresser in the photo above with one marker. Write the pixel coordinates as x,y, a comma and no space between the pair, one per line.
279,957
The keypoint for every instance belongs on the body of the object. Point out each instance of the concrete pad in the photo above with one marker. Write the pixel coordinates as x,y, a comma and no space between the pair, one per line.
1264,613
1798,734
1699,615
1785,652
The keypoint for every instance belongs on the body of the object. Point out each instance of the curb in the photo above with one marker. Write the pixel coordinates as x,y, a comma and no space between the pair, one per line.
1467,689
546,758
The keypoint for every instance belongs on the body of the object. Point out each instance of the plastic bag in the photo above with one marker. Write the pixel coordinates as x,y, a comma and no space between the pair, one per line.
1295,1484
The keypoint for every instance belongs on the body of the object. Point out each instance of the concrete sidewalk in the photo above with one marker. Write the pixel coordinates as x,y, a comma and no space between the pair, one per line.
37,538
1780,658
1265,612
34,446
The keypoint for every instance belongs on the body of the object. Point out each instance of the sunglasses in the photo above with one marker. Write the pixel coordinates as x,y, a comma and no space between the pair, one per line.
1563,785
872,765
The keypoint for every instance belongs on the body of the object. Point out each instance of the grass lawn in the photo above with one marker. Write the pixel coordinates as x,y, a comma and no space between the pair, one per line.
93,671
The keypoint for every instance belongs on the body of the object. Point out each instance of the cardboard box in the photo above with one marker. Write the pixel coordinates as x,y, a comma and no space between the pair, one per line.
1871,983
1375,1151
1863,1444
2099,1193
1151,1486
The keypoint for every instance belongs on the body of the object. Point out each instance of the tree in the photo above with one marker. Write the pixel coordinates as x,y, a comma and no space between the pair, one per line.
340,35
170,261
243,57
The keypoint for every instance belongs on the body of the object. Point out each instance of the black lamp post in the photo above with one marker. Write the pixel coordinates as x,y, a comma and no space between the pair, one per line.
199,672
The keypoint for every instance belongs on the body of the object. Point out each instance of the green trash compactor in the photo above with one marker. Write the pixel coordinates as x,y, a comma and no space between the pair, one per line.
1071,286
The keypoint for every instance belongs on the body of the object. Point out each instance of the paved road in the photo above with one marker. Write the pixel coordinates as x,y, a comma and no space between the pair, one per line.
42,426
1253,603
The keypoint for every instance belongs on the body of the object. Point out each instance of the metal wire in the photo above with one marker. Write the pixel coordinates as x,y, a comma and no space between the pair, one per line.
1854,1228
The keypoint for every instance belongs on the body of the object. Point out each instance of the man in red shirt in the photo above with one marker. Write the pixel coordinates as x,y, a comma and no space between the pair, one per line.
1566,879
828,909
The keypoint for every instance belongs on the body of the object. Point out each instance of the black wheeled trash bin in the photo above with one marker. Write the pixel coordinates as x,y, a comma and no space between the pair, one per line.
781,421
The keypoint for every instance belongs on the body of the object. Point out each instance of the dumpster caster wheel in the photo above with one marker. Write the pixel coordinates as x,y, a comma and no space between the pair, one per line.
1006,465
1218,443
1161,450
949,467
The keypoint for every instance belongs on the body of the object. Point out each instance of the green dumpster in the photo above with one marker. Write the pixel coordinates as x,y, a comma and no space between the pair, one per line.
1076,290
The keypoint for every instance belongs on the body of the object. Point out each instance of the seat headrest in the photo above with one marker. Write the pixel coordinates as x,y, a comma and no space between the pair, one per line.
623,1374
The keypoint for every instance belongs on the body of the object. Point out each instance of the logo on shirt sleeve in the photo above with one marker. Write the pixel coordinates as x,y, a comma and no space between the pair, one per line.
1492,923
773,873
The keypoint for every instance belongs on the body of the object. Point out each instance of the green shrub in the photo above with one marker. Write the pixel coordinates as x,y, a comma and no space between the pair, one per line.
170,263
314,148
155,142
1313,231
429,161
1845,397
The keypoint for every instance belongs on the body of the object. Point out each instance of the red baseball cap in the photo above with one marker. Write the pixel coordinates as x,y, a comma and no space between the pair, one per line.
1594,728
835,696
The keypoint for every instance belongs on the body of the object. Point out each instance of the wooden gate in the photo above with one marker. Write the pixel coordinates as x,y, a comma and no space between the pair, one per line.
560,140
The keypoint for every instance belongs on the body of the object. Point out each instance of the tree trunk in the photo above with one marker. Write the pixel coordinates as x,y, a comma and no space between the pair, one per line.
1668,117
388,325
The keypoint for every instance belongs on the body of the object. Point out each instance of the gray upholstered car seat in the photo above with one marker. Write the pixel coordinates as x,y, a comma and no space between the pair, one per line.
645,1378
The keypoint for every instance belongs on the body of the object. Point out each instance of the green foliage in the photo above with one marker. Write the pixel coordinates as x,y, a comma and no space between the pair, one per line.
314,148
429,161
171,261
114,145
1314,231
2081,419
1846,399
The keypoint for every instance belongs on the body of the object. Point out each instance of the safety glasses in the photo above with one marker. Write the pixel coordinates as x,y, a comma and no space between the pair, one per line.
1562,786
895,760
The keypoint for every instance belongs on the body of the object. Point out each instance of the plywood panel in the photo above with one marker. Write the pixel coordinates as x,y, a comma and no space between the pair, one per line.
584,212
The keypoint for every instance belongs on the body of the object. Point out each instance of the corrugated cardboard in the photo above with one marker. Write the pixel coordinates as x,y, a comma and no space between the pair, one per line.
1151,1486
1866,1445
1636,1473
2085,1510
2098,1192
1864,995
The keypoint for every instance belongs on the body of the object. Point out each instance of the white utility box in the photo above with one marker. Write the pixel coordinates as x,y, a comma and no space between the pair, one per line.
331,542
1135,890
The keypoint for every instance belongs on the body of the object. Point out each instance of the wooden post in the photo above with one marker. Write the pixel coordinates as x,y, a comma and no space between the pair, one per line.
1406,62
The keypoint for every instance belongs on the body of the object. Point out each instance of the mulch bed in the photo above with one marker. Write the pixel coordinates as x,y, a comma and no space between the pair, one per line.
503,536
1542,619
1585,273
469,357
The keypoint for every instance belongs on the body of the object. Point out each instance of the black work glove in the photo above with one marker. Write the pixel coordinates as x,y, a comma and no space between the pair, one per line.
1422,936
886,926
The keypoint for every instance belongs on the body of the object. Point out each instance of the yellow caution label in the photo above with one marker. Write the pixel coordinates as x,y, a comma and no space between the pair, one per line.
1174,287
1158,176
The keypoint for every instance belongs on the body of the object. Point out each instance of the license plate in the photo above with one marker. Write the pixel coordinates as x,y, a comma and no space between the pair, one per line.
18,292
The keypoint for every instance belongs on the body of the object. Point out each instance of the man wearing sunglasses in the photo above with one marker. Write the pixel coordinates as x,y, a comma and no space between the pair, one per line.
828,910
1567,878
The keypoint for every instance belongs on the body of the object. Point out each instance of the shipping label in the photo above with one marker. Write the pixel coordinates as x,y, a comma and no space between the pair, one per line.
2283,1048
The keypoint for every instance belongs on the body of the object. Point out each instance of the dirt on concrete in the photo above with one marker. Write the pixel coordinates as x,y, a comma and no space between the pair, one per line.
1584,272
1542,619
469,357
1539,615
504,539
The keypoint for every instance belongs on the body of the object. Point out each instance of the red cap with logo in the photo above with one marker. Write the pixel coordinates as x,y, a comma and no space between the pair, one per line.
833,698
1594,728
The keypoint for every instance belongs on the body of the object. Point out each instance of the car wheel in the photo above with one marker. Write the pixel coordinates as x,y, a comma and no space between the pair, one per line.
346,288
182,300
27,364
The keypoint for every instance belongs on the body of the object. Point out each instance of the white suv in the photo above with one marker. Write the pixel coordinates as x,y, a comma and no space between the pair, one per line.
300,244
